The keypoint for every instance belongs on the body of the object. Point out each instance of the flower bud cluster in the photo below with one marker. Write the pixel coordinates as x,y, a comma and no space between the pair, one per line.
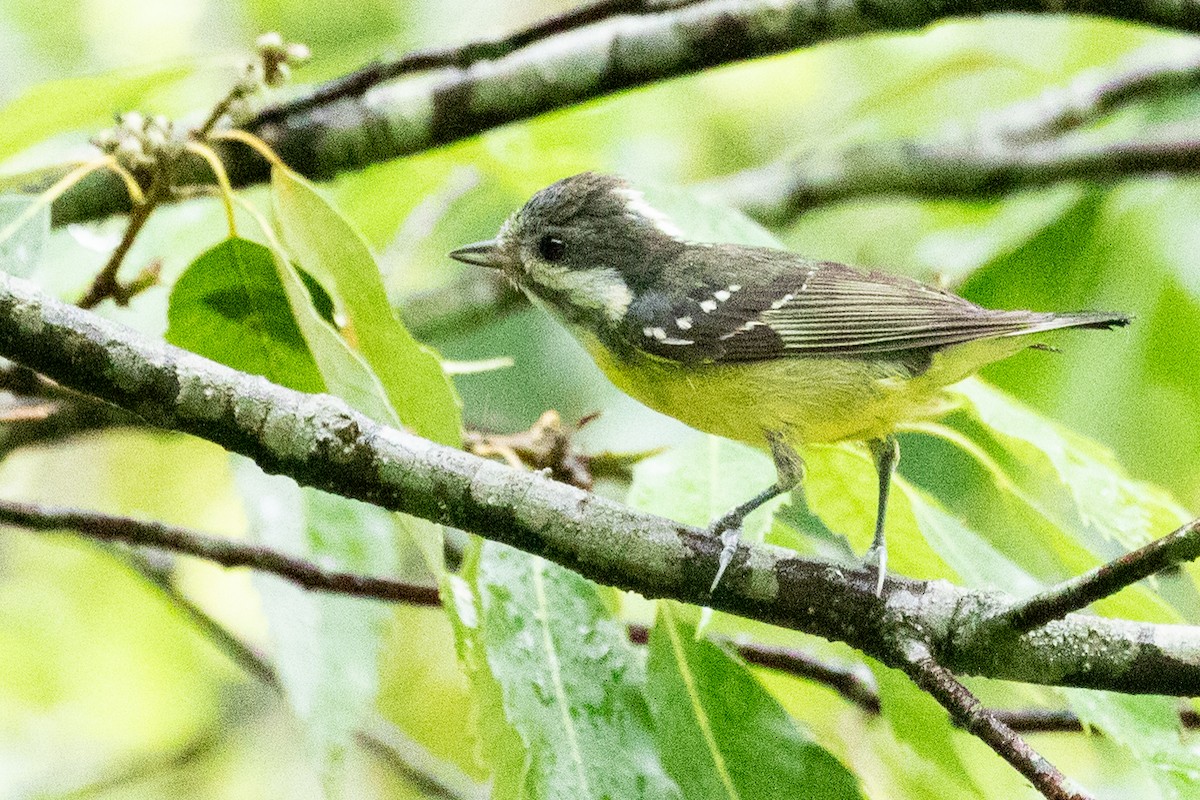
140,142
278,58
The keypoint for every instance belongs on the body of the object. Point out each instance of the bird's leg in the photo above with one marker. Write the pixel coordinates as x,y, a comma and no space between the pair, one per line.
886,452
789,469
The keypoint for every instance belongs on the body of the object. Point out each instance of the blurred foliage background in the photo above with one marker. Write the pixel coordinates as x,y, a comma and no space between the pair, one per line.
106,692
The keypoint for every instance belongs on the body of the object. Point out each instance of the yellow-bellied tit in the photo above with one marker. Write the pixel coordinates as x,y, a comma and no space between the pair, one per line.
759,345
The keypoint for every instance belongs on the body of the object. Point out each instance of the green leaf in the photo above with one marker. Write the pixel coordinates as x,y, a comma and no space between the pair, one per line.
1101,502
52,108
721,734
698,482
242,304
841,487
557,683
917,720
230,306
1147,728
325,645
20,253
327,247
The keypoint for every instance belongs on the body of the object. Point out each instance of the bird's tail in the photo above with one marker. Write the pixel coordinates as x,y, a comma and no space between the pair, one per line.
1080,319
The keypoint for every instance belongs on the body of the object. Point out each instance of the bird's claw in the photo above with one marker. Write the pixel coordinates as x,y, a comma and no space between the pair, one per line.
877,555
729,544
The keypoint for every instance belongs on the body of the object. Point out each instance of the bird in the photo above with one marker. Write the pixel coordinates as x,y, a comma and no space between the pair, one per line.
755,344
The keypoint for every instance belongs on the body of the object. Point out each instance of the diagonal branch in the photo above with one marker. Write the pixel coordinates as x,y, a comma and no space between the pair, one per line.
1081,591
1018,147
562,65
967,712
942,169
320,442
362,80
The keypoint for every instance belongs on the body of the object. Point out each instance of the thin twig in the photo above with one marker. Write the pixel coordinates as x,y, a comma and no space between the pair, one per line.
1146,74
967,712
1081,591
1044,720
105,284
850,682
107,527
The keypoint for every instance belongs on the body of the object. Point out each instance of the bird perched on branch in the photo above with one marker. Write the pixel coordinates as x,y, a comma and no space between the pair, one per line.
751,343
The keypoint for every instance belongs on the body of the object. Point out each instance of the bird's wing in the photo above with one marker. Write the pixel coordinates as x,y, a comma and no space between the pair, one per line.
822,309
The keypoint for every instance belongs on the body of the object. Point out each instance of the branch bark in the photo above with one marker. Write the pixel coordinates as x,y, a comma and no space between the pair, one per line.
356,123
968,713
320,442
1018,147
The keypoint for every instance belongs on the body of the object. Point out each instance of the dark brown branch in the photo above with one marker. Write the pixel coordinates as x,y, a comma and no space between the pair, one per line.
967,712
1081,591
853,682
847,680
106,527
1042,720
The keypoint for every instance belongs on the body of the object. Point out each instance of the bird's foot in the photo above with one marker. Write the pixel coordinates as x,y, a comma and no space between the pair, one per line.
877,556
729,545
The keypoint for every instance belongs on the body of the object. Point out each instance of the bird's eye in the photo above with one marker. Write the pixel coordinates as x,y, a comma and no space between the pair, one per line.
552,248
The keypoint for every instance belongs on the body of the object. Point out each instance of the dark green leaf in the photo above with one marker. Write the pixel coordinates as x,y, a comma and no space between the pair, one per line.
230,306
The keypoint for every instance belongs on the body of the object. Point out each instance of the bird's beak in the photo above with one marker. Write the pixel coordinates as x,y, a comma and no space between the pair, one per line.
481,254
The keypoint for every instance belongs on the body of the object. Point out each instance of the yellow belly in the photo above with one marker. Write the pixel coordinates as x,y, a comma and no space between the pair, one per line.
807,400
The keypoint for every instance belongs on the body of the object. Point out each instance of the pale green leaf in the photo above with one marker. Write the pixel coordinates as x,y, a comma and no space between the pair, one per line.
554,673
20,253
1104,502
1147,727
326,246
325,645
702,480
52,108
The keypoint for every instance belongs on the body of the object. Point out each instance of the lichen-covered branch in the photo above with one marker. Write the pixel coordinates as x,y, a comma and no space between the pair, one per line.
321,442
364,122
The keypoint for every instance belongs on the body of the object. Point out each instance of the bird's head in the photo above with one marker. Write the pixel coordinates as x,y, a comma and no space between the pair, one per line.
584,245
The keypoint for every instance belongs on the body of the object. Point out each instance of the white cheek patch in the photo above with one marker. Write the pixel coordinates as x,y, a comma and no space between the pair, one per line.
637,207
602,289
